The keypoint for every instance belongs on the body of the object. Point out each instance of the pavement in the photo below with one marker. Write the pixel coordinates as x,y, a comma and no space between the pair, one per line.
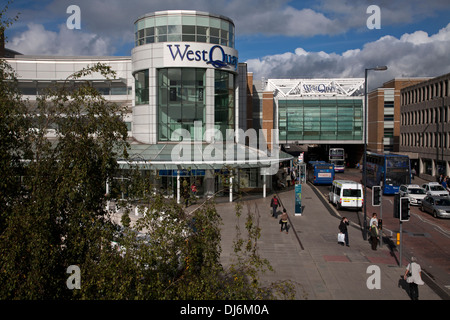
310,257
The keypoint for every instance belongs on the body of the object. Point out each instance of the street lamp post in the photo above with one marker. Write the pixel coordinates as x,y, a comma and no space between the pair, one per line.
378,68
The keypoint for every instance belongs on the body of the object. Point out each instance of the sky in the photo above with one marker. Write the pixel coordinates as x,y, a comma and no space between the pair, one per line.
276,38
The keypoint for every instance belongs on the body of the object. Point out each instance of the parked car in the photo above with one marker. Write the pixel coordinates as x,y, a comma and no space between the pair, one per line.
435,189
413,192
437,206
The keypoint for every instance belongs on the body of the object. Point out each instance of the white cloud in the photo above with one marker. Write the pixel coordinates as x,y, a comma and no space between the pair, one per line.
286,21
413,55
37,40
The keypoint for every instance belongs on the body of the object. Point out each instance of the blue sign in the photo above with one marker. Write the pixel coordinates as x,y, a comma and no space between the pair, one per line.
298,199
183,173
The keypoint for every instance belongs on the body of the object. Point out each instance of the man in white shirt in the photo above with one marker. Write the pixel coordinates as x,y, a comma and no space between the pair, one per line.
413,276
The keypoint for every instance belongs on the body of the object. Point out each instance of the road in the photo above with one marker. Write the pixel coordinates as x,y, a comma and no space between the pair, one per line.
425,237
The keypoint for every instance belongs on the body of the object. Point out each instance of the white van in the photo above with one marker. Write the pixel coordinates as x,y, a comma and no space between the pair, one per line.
346,194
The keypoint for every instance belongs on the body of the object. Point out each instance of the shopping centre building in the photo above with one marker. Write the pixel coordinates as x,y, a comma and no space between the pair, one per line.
186,96
315,114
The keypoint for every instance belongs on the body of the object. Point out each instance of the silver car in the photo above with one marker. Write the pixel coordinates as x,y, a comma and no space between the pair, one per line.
435,189
437,206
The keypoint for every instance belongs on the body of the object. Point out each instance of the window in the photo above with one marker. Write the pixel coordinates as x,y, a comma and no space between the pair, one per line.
388,132
351,193
142,87
28,88
223,101
199,28
324,119
181,102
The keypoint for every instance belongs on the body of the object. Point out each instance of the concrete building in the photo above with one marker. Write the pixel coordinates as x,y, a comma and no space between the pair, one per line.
384,115
425,126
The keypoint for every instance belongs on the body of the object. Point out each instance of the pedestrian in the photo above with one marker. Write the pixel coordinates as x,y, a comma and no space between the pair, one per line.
413,275
274,203
373,219
374,235
284,221
343,229
194,189
293,177
288,177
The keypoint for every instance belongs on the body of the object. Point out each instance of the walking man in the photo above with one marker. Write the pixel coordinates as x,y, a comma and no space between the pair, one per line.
413,275
274,203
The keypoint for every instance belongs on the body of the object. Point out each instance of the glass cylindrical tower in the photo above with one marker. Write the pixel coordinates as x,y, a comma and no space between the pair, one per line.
185,65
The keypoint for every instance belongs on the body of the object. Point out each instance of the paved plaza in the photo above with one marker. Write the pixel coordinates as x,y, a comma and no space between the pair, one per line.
310,256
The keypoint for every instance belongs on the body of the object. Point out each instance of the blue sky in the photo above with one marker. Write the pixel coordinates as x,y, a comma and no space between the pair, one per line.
277,38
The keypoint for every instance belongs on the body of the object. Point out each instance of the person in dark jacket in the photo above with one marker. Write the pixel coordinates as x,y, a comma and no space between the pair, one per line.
374,235
343,229
274,203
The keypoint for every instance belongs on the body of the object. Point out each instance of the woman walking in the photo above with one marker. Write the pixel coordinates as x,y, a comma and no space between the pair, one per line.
284,221
343,229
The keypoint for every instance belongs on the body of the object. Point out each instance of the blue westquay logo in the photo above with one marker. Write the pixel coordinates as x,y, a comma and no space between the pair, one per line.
209,56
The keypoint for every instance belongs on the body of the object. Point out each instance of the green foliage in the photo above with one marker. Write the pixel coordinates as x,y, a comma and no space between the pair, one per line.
52,213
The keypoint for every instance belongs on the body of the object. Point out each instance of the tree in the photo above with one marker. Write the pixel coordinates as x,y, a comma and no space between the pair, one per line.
58,219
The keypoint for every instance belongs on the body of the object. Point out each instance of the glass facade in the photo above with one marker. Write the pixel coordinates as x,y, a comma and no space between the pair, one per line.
194,27
141,87
223,101
320,119
181,102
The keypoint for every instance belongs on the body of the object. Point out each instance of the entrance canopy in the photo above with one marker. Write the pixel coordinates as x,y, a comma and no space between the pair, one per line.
198,155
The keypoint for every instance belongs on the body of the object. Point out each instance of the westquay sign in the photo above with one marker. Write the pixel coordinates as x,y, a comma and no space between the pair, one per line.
200,55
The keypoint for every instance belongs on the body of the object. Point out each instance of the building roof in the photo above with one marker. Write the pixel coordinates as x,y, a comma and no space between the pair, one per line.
199,156
184,12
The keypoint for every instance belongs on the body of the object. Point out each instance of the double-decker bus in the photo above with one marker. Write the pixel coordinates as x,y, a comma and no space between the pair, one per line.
388,171
337,157
320,172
